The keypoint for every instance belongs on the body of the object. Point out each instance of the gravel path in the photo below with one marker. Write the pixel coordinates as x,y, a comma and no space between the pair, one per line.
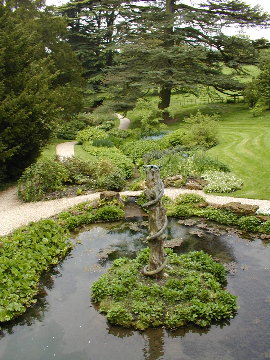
14,213
124,122
66,149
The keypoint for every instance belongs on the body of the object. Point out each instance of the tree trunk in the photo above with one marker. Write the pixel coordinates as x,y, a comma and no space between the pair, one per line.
165,97
157,222
166,89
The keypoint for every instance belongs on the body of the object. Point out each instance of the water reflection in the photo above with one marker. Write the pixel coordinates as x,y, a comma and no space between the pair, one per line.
63,324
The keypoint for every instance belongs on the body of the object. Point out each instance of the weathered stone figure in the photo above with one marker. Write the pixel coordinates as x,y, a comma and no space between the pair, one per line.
157,222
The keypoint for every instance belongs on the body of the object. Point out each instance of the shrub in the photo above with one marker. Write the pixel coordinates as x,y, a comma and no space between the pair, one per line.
40,178
114,155
200,130
173,164
106,125
221,182
221,216
115,180
202,163
109,213
80,171
249,223
147,117
91,133
68,129
160,153
182,210
118,133
136,149
189,199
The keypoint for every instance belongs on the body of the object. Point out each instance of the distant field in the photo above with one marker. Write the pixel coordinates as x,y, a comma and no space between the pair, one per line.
245,147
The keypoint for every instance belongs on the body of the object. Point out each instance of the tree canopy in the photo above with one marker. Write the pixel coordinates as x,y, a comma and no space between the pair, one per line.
39,82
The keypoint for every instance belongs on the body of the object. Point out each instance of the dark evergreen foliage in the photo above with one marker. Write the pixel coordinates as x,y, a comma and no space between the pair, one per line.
39,82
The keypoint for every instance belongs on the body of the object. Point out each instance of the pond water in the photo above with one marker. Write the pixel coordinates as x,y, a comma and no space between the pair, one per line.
156,137
64,325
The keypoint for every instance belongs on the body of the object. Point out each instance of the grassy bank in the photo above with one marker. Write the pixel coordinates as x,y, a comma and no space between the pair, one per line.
244,146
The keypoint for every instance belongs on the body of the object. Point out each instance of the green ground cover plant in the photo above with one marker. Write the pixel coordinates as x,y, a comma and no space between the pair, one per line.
188,205
221,182
24,256
31,250
192,292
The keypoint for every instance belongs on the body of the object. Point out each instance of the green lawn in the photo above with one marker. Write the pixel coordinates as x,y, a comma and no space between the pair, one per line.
49,151
245,147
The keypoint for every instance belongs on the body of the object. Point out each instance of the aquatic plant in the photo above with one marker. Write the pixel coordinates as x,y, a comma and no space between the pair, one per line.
192,292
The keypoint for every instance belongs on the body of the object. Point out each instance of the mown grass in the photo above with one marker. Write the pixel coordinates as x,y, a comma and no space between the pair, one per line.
49,151
244,146
81,153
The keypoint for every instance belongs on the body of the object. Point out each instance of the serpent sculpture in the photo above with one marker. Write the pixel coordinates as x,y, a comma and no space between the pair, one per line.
157,222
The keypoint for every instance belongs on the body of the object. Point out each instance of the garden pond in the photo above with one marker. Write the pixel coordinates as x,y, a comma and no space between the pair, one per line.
64,325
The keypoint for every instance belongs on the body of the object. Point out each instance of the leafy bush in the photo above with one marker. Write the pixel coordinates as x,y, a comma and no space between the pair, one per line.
30,250
106,125
182,211
160,153
249,223
200,130
173,164
221,182
189,199
115,180
147,117
109,213
91,133
136,149
118,133
114,155
40,178
192,293
202,163
68,129
24,256
185,163
80,171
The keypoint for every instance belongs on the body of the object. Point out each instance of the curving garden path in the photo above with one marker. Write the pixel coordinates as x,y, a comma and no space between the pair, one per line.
15,213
